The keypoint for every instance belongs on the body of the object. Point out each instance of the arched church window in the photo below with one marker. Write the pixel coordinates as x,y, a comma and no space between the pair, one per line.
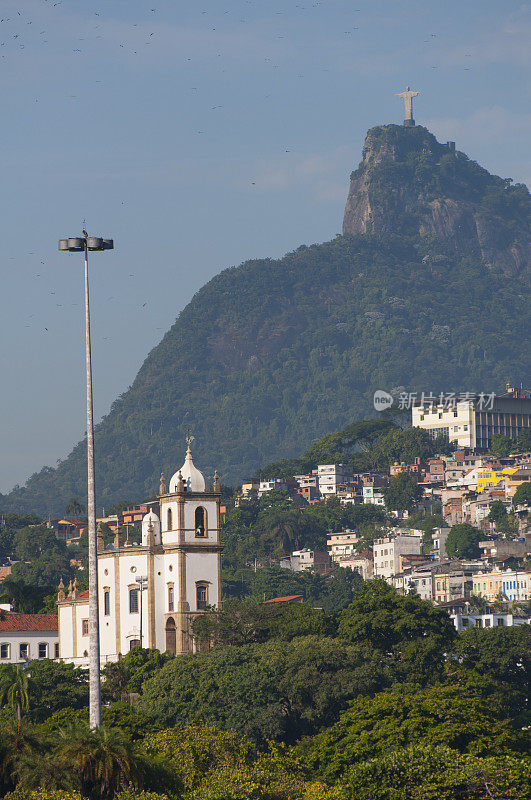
170,520
200,521
170,598
107,602
133,601
201,591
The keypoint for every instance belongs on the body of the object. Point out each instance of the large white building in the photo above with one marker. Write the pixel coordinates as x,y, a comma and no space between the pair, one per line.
387,552
342,544
25,637
180,562
472,420
462,621
331,476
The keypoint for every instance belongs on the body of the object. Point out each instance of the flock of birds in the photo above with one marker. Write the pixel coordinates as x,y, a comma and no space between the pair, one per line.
18,32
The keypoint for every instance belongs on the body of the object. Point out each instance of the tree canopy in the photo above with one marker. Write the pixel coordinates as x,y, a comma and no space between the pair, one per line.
463,540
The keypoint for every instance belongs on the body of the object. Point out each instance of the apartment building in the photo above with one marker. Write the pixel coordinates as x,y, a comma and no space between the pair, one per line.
388,550
418,580
306,559
453,584
373,486
331,476
342,543
438,538
465,620
358,562
268,486
472,420
416,469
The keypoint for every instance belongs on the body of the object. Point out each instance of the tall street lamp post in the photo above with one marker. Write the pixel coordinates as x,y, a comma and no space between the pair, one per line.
142,584
82,244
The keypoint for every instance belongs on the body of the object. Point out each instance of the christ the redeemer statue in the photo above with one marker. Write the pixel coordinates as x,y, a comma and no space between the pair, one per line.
408,96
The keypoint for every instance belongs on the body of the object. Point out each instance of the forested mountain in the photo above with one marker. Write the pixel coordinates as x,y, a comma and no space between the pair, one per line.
272,354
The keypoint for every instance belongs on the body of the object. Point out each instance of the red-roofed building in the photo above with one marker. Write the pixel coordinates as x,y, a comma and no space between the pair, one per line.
24,637
291,598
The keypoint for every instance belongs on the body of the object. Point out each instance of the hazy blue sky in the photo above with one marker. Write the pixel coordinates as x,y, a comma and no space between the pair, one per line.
199,134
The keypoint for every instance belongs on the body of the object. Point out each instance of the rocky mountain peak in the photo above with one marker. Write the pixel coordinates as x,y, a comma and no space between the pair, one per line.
409,183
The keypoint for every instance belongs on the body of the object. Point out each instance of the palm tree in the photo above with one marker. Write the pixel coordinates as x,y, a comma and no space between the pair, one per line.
20,744
14,689
38,768
102,759
74,507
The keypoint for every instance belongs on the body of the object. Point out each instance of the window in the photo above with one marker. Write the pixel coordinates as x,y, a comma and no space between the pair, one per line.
43,650
134,643
23,650
170,598
499,622
133,601
84,627
200,521
4,650
478,623
169,518
487,623
56,650
464,622
107,602
201,591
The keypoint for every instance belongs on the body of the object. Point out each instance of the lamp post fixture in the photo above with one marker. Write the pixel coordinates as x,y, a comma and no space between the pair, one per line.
82,244
142,584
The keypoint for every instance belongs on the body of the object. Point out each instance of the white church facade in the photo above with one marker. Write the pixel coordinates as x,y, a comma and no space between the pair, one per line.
150,593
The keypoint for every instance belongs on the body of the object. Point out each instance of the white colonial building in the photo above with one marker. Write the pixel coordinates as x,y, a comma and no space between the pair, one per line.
25,637
150,593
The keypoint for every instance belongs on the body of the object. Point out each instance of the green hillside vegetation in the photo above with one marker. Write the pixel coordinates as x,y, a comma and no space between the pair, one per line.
381,700
272,354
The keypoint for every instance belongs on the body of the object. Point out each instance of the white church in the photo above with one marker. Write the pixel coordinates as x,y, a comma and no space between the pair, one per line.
150,593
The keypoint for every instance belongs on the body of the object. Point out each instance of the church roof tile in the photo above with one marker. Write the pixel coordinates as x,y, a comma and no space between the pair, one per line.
29,622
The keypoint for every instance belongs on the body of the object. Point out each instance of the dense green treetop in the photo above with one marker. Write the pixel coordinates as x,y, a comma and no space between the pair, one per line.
440,715
503,655
463,540
276,690
407,630
403,493
437,772
522,496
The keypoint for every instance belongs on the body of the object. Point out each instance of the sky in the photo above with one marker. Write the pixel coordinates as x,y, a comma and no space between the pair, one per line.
199,134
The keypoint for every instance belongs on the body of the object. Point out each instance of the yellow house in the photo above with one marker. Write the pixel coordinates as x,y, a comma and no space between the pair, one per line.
487,478
487,585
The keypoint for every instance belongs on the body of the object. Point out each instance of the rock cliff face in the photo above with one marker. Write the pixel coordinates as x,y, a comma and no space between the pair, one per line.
409,183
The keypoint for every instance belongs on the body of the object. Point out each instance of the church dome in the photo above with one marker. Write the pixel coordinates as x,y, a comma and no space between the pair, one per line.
151,518
192,478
